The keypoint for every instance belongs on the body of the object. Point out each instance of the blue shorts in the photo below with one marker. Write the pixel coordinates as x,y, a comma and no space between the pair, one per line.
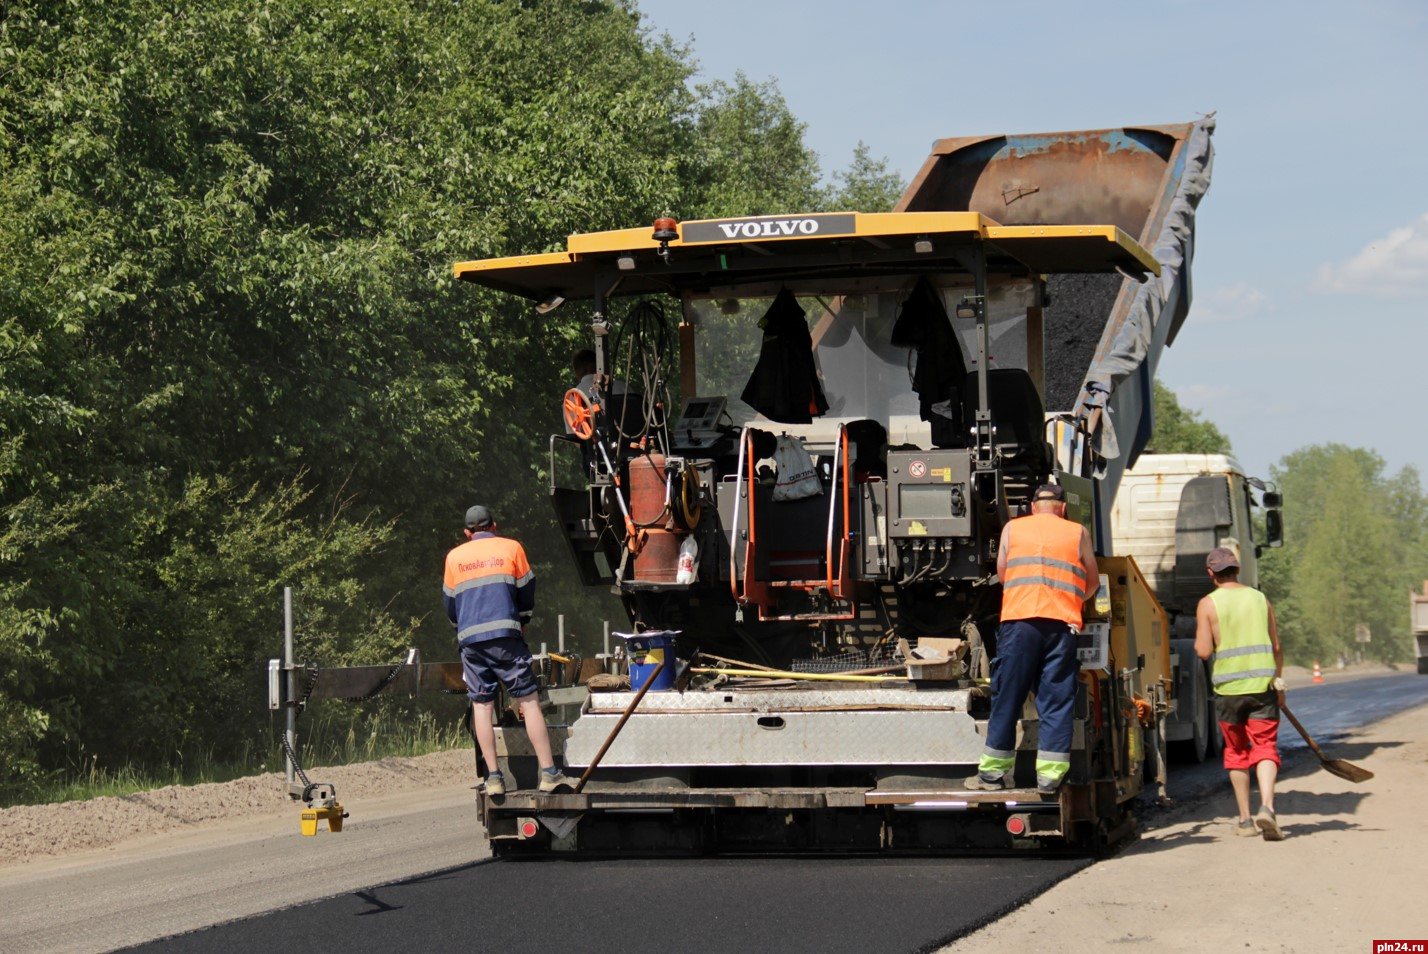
492,663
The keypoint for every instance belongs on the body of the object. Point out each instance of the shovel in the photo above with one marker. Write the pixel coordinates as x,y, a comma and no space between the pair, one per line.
1345,770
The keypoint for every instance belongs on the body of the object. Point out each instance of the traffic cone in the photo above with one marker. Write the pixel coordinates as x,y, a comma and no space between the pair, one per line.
1317,676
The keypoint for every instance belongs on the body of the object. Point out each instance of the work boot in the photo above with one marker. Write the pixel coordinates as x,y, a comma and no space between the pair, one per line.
1047,788
495,784
1269,825
1246,828
552,779
980,783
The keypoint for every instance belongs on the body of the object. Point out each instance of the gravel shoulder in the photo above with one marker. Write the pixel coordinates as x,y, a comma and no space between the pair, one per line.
31,834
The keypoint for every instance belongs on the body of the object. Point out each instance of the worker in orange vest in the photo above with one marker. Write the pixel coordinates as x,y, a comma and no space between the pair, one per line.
1048,570
489,592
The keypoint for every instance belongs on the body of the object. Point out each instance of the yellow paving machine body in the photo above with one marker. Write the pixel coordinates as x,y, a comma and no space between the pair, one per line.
802,438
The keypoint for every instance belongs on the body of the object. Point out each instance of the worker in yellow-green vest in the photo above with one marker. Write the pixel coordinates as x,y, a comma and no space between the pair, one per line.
1047,570
1234,625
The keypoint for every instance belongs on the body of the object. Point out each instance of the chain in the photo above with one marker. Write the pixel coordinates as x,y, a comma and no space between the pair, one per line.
301,706
292,760
386,681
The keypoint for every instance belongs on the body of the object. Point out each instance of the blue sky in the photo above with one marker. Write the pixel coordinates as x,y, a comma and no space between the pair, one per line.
1311,267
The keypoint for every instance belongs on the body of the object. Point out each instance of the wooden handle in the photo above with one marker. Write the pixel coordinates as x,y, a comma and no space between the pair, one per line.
580,785
1312,744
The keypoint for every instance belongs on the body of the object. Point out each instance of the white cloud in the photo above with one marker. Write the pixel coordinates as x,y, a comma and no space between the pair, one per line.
1393,266
1229,303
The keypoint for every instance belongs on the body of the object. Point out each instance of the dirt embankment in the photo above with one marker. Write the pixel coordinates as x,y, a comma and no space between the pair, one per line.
34,831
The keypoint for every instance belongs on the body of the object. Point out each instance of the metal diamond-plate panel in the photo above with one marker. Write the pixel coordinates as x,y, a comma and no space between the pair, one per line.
782,699
668,738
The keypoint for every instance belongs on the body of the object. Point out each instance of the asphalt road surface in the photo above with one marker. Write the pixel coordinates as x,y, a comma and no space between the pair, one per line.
727,904
634,907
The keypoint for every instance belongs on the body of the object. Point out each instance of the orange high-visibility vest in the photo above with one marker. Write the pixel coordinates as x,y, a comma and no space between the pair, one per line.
1044,578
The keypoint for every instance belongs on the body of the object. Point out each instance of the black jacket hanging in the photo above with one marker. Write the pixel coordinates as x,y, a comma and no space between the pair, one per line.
784,386
923,325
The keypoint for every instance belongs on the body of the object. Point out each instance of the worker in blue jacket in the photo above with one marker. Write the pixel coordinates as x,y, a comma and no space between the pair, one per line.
489,592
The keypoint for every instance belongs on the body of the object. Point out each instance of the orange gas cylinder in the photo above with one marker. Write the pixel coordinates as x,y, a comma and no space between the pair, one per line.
658,559
647,491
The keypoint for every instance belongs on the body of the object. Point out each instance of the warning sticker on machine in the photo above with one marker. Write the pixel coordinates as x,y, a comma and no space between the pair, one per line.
917,468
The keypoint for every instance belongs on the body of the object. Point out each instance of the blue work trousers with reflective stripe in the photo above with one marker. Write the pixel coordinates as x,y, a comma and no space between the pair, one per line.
1040,655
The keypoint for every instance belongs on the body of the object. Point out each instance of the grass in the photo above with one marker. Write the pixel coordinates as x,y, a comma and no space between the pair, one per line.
327,736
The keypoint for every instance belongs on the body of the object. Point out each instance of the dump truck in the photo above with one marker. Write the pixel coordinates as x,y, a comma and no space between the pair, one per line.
1171,510
804,435
1418,616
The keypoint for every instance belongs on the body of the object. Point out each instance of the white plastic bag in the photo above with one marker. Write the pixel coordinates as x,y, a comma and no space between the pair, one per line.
797,477
688,561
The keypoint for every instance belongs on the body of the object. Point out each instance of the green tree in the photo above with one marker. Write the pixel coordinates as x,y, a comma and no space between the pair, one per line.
1179,430
1356,543
748,155
867,185
232,356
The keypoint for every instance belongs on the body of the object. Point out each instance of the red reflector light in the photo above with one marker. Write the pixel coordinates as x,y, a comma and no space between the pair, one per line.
1016,825
529,828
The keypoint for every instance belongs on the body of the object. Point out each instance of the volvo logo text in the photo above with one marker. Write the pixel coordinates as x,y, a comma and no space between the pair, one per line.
818,225
767,228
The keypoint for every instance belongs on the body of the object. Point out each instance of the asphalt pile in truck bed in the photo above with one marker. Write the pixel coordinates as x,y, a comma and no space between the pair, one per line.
1072,325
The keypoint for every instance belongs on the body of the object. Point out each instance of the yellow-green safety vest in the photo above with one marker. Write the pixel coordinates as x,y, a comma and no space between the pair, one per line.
1244,661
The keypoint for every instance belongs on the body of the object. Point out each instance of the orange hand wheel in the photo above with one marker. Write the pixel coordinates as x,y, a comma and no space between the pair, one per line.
580,414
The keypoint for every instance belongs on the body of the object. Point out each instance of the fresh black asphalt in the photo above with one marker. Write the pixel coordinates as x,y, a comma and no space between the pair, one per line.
654,907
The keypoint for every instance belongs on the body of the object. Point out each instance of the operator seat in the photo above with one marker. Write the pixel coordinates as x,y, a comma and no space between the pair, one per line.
868,440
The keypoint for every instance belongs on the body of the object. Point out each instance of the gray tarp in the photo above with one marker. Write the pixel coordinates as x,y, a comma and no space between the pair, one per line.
1119,377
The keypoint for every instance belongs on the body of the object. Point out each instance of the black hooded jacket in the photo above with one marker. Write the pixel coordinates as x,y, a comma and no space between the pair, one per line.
784,386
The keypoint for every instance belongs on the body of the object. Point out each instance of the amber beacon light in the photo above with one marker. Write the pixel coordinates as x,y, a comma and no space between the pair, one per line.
665,230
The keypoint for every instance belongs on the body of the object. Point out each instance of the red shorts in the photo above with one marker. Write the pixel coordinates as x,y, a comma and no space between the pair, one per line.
1249,744
1250,725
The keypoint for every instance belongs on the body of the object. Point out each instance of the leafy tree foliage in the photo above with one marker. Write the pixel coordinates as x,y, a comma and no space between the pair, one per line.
1179,430
1356,543
231,353
867,185
750,158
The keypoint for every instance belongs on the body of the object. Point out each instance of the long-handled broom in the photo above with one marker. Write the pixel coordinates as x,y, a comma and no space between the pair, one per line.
1345,770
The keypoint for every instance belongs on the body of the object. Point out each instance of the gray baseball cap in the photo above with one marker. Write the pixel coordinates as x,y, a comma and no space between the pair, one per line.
478,518
1221,559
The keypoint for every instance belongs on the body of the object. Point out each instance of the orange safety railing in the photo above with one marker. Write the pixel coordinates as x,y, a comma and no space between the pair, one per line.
746,587
838,583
